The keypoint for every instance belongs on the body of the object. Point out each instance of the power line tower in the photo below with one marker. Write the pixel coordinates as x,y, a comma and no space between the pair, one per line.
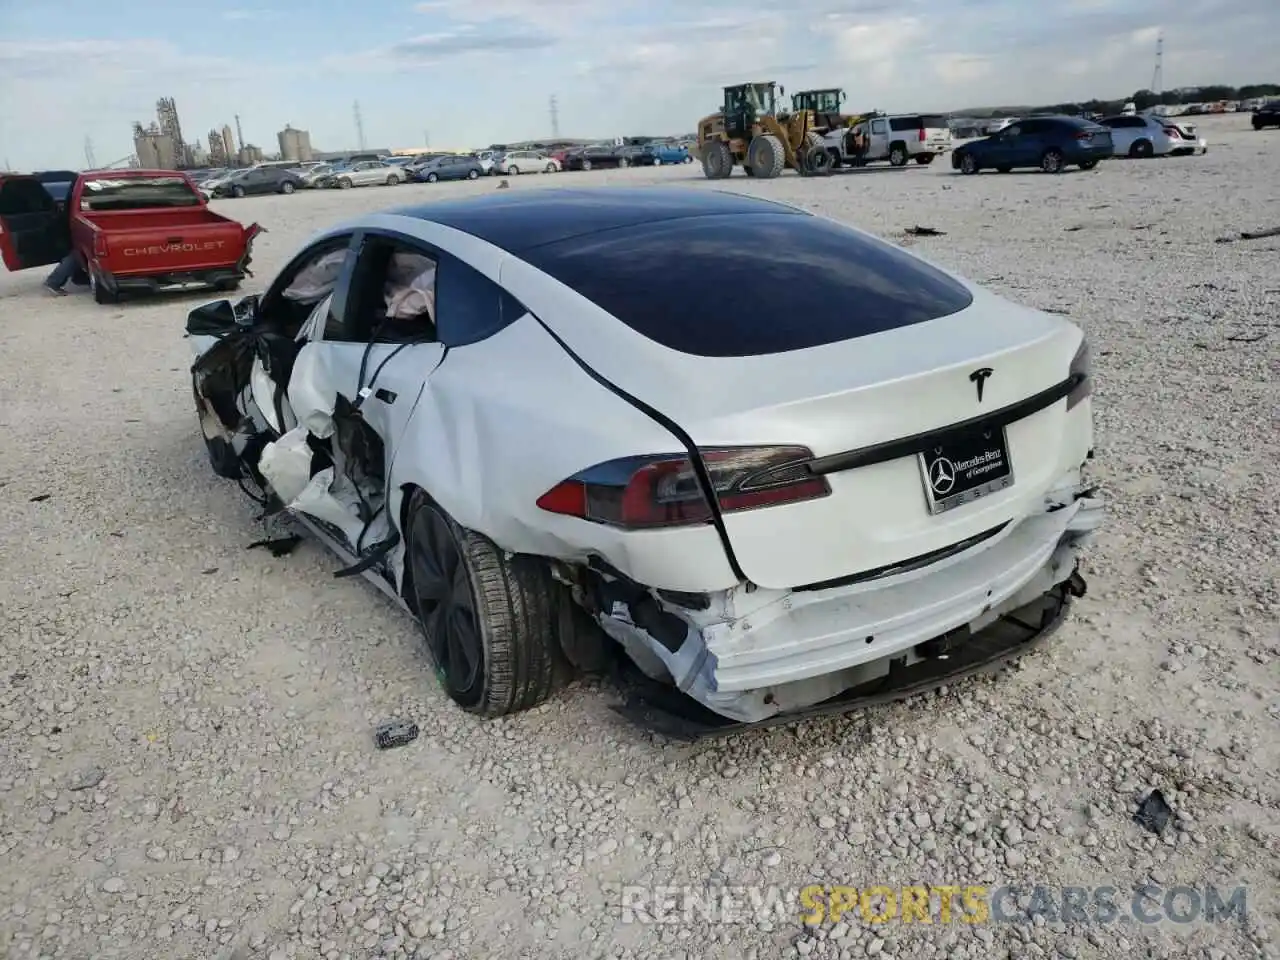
555,118
1157,75
89,159
426,138
239,133
355,109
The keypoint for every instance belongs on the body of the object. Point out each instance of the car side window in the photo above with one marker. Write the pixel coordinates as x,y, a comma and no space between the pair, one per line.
405,292
311,278
1012,131
877,126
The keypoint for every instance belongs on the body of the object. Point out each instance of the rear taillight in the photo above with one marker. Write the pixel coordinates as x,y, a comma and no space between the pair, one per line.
1081,374
1171,132
664,491
922,134
1084,135
99,244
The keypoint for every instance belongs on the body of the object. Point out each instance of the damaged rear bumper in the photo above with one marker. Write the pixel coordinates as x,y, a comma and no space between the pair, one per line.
752,656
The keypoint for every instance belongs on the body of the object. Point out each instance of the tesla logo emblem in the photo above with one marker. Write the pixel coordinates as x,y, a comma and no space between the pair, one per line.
979,379
942,475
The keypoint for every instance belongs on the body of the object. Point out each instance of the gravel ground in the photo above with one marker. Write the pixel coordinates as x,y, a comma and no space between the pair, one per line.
186,765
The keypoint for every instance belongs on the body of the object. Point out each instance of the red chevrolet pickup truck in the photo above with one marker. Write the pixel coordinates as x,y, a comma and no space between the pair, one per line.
135,230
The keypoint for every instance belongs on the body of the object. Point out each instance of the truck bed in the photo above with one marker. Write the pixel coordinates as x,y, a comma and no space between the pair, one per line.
161,242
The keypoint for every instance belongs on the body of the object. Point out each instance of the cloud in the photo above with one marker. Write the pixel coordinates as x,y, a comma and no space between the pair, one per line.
242,16
434,47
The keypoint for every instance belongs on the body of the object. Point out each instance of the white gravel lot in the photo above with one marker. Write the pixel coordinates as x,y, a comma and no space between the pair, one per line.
215,705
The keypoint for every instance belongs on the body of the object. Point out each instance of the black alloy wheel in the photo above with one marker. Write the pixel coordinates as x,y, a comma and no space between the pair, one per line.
446,606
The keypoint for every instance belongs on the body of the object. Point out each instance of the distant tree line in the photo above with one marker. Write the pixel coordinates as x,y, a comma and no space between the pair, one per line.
1142,100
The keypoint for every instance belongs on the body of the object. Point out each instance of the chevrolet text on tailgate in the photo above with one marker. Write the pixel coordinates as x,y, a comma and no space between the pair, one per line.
131,230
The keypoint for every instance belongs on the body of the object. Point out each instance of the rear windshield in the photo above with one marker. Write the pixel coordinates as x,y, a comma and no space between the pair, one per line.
137,193
750,284
925,122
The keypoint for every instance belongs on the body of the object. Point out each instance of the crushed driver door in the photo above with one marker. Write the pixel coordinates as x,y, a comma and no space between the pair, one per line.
353,390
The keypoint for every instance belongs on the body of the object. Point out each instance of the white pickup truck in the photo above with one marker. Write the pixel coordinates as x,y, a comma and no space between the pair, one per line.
897,138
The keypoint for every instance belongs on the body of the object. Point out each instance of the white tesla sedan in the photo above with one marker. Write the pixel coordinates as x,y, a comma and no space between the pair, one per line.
784,465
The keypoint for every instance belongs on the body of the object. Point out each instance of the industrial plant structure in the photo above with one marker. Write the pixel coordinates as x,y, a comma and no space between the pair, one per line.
295,145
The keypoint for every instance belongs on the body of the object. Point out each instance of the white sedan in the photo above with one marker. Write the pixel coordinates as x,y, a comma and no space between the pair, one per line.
784,465
525,161
1139,135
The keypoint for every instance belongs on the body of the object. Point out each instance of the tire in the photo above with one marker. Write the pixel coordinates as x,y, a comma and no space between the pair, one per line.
1051,162
969,165
1087,164
687,159
1004,169
237,192
513,171
550,168
488,618
817,161
393,181
717,160
766,156
898,155
344,184
657,161
623,162
924,159
1141,149
473,174
432,177
286,187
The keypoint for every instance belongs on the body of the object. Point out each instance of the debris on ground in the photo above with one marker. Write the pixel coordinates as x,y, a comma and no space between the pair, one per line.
1153,813
394,733
279,546
919,231
1251,235
40,498
86,778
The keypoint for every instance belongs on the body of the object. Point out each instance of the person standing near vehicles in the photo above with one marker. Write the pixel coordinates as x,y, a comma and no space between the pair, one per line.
66,269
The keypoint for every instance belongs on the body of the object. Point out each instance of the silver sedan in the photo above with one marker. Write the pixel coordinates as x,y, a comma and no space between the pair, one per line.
368,173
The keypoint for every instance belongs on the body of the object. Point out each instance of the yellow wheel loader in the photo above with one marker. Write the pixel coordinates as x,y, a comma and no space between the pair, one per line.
825,107
750,132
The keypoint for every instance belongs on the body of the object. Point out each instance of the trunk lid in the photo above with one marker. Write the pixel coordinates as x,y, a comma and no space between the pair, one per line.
869,392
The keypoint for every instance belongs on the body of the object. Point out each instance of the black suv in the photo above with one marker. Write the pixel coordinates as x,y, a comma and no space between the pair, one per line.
1267,115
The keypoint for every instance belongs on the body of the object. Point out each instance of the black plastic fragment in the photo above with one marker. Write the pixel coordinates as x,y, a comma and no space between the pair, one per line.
394,733
1154,813
375,554
279,546
40,498
919,231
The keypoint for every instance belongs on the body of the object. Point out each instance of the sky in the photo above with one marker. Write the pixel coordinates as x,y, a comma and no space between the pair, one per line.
459,74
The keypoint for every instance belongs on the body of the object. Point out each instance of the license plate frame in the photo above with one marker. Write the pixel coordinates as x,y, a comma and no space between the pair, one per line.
965,468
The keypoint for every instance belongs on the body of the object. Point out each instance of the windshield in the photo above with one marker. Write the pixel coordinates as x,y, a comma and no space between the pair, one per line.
827,101
137,193
761,98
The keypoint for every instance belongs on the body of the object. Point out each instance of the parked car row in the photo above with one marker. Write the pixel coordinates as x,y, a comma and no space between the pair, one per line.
1052,143
279,177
